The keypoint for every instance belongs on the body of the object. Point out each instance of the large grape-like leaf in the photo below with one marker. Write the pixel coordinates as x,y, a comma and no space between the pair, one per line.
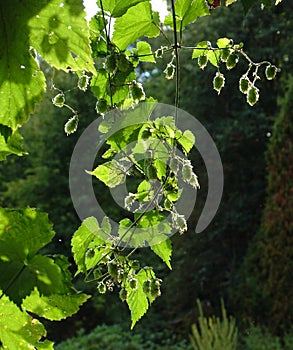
18,330
59,32
117,8
54,307
187,11
138,21
22,84
23,233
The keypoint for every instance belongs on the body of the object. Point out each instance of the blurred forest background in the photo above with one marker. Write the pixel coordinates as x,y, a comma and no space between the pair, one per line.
246,255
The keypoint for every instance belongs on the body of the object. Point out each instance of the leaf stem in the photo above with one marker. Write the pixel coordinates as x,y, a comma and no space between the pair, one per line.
14,278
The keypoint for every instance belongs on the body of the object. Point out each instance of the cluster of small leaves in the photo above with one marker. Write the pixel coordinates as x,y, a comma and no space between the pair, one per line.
247,85
147,149
229,54
98,257
116,83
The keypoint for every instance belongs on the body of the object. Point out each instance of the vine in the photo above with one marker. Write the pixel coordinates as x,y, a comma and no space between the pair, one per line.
148,147
154,149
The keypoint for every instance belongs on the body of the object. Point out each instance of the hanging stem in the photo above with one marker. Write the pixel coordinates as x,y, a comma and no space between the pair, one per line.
176,47
108,45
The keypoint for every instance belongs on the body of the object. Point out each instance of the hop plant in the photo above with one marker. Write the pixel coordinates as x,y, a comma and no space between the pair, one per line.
146,286
155,288
101,106
83,82
202,61
169,71
186,172
137,92
271,72
90,253
123,294
111,63
179,222
135,265
59,100
97,273
123,63
194,181
174,165
121,275
133,283
225,53
244,84
71,126
232,61
219,82
252,95
160,51
101,288
112,268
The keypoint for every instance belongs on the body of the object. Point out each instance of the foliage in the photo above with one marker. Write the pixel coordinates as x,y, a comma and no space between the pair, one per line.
31,282
212,333
256,338
59,34
115,337
268,266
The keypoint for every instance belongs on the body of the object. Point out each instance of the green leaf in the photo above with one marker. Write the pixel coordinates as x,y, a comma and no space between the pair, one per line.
144,51
88,235
144,191
10,145
123,137
214,57
117,8
22,276
154,225
130,235
187,11
101,89
163,250
222,43
54,307
187,141
137,300
60,33
111,173
23,233
18,330
138,21
201,49
22,84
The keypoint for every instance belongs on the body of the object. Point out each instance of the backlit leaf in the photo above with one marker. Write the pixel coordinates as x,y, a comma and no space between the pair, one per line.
60,33
111,173
164,250
88,235
11,145
54,307
187,11
18,330
117,8
138,21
